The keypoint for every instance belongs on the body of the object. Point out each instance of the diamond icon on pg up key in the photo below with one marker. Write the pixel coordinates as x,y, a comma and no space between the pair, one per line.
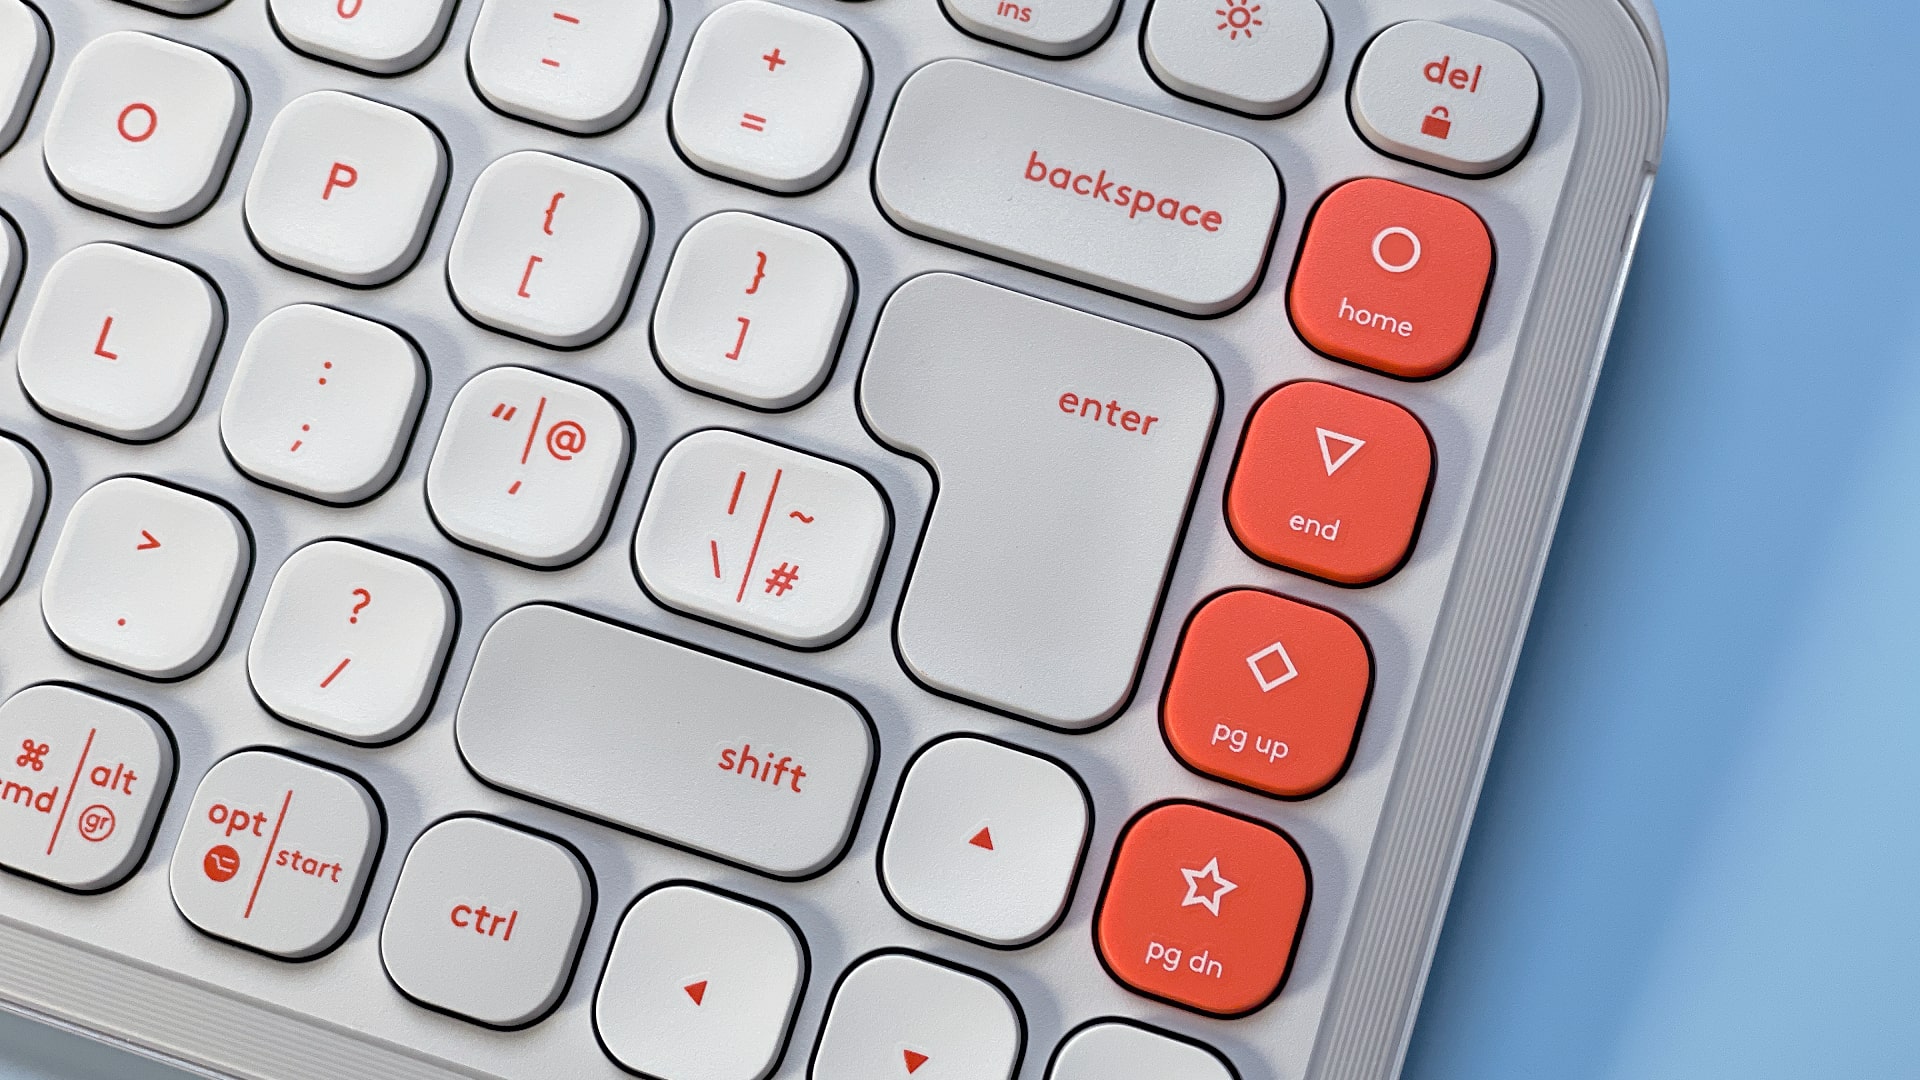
1392,278
82,781
760,537
1267,693
1203,909
528,466
275,853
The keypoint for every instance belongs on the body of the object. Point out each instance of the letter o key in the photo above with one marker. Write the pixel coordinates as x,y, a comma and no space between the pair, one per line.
152,122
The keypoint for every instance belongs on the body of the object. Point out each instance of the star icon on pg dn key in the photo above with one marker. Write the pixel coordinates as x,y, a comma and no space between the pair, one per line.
1267,693
1203,909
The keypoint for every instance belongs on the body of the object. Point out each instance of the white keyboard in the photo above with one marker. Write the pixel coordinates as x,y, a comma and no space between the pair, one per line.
934,539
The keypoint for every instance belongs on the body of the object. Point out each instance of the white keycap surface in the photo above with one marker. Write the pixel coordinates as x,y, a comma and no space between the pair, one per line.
1115,197
1048,27
345,188
1113,1050
275,853
577,65
351,641
771,540
486,921
528,466
985,841
899,1014
700,986
1446,97
82,781
384,37
1259,57
728,760
120,341
547,249
1033,415
322,403
753,310
144,127
24,48
23,503
769,96
145,577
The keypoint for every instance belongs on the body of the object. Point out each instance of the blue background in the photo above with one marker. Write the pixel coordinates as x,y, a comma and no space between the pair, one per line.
1695,856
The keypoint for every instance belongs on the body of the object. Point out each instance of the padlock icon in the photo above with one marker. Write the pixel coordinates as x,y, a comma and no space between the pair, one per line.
1438,123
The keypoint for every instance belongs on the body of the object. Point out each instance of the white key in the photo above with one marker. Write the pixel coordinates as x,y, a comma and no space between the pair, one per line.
1121,1050
1047,27
274,853
753,310
120,341
759,537
144,127
727,760
23,503
528,466
145,577
769,96
1067,448
700,986
547,249
986,841
486,921
898,1014
346,188
1078,186
322,403
82,780
1455,100
352,641
576,65
385,37
1259,57
24,48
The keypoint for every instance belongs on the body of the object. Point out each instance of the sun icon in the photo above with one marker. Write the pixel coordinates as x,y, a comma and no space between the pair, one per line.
1241,17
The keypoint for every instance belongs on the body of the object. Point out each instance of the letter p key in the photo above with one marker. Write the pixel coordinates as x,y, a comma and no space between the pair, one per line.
341,176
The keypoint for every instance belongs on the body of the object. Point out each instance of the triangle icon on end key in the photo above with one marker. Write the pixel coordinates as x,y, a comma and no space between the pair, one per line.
1327,456
983,839
697,991
914,1060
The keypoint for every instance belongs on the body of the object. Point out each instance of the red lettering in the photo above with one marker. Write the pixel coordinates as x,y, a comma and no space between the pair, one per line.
342,176
147,126
1135,201
346,11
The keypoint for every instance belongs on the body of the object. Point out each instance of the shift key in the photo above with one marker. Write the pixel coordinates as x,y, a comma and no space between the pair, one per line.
1078,186
1066,447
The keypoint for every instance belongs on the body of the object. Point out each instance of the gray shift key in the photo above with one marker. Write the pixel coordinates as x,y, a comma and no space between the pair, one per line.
1066,447
1089,189
684,746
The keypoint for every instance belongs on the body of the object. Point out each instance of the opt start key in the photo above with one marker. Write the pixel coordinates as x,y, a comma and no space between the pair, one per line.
1203,909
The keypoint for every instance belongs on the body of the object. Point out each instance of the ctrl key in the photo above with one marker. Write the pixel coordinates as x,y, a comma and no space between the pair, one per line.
275,854
82,780
486,921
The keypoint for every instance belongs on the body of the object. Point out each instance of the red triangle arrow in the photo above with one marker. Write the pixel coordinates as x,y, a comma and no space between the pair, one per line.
983,839
914,1060
150,544
697,991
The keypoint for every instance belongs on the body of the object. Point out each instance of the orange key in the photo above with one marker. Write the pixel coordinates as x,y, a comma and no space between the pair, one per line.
1267,693
1203,909
1392,278
1330,482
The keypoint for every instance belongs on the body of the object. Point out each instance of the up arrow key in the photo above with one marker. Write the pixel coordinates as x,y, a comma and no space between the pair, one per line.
147,543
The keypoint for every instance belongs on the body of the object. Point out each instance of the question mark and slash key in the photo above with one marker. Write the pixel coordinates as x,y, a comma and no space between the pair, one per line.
363,598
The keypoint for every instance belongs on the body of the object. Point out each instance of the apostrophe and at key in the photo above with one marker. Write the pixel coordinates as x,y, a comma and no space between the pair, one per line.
83,779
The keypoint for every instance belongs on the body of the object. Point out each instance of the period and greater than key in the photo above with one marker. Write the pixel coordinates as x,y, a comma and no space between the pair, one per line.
1409,269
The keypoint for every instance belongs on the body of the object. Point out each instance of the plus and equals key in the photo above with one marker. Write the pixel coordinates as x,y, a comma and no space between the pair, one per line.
570,20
